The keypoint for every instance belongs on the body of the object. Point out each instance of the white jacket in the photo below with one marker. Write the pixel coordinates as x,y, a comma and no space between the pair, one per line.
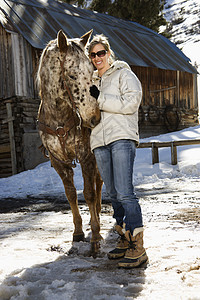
119,100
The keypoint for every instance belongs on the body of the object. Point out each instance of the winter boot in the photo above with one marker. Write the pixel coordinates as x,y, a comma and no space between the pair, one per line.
121,247
136,254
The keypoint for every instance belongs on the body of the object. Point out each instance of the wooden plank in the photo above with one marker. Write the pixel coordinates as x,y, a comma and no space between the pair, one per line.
12,139
178,87
168,144
4,175
173,154
187,142
8,120
195,91
145,145
155,156
4,149
163,89
157,144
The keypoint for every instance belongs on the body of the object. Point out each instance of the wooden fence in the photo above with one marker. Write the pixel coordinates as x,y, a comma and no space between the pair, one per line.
173,145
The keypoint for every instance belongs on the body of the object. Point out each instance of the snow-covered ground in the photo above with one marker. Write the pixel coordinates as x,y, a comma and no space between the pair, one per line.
39,261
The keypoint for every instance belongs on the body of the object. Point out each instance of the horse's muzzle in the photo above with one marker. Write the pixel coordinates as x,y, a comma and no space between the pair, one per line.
94,121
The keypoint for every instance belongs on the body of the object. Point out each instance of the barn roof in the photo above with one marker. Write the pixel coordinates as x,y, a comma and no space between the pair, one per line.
38,21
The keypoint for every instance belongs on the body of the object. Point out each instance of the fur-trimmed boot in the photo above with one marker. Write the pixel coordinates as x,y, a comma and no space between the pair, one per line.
136,254
121,247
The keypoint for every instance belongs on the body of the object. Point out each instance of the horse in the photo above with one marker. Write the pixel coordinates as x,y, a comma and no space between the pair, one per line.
66,115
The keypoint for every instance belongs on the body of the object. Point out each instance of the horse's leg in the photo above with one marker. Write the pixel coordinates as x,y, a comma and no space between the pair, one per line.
99,184
66,174
89,176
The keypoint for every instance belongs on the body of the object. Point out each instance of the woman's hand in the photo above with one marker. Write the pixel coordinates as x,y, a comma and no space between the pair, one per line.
94,91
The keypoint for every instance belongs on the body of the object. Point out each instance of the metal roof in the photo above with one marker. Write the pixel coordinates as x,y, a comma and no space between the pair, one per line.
38,21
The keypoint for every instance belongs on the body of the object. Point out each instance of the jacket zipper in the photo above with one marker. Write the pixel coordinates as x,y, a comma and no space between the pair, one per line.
100,84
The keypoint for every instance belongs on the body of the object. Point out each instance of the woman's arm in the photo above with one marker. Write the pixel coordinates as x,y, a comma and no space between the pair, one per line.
127,100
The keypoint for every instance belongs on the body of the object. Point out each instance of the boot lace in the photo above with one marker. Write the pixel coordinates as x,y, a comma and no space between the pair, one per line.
132,244
122,240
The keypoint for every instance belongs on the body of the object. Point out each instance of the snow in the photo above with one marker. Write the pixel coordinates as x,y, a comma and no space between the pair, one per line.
39,261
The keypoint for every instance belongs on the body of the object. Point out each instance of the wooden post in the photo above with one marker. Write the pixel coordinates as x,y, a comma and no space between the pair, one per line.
11,137
173,154
155,157
178,88
195,91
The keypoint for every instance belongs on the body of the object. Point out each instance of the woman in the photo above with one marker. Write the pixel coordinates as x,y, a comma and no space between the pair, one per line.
114,140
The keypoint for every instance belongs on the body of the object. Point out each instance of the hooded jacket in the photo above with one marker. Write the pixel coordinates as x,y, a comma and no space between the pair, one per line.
119,100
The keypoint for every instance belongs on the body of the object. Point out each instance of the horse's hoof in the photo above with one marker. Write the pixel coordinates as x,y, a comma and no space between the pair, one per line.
78,237
95,246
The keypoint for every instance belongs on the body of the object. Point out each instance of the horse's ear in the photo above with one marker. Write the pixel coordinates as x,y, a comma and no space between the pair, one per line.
84,38
62,41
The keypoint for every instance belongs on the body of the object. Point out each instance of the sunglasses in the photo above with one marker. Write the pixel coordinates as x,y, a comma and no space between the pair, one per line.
100,53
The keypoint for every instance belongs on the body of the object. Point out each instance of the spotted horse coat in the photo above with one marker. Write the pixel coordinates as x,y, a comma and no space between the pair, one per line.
66,114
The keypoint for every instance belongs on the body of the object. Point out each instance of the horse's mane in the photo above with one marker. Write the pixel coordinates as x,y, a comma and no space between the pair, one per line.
38,79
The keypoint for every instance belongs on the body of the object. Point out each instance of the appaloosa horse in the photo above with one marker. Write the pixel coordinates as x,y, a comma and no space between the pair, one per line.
66,114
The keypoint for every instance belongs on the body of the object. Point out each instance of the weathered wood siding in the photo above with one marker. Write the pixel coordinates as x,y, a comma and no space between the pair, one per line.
24,121
164,87
169,100
16,66
7,82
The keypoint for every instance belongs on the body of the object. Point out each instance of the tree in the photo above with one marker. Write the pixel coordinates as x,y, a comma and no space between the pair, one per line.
76,2
102,6
148,13
145,12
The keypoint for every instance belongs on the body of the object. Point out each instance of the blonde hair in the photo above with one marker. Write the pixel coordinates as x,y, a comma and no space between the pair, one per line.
103,40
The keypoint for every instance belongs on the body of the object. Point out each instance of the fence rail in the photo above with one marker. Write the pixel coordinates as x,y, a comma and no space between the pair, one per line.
172,144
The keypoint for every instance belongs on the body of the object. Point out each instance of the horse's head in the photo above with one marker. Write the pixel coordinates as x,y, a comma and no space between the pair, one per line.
73,76
65,77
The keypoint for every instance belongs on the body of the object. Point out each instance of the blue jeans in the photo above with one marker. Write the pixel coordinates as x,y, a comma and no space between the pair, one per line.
115,163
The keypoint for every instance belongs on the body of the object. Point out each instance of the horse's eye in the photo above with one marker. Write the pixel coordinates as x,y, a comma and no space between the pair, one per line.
72,77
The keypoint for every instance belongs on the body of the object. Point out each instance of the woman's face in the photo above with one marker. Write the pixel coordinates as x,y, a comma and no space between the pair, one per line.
101,61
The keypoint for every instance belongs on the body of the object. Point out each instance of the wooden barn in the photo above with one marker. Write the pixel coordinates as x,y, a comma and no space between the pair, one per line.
169,80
